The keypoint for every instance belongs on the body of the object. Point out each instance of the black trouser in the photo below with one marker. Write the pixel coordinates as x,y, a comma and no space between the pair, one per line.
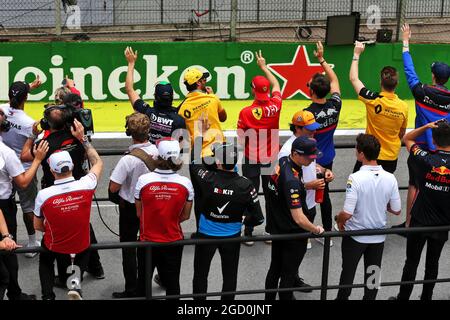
326,210
229,254
352,251
210,165
128,230
387,165
286,257
168,262
47,269
253,173
414,246
9,271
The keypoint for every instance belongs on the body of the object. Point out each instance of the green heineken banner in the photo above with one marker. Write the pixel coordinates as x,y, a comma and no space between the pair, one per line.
99,68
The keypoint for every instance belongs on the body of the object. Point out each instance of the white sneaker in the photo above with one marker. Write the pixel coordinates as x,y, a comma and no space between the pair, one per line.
322,242
32,254
267,241
309,245
75,294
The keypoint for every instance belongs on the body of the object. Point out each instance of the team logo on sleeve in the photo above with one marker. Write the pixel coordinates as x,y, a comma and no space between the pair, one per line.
349,184
257,113
295,197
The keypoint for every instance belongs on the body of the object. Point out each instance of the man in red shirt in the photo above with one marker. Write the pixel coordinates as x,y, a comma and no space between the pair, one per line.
258,130
62,212
163,200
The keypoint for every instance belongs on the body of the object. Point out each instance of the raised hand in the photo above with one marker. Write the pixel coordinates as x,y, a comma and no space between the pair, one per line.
359,48
406,32
36,83
319,52
40,151
260,60
130,55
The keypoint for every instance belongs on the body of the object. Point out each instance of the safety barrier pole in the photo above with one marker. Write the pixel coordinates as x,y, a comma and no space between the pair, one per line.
233,21
325,268
148,272
58,18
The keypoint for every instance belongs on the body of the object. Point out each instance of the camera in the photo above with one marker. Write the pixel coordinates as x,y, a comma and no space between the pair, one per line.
70,113
5,126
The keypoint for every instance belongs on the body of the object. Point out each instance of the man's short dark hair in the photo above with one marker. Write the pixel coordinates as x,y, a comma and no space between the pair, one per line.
389,78
191,87
320,85
440,81
369,145
441,134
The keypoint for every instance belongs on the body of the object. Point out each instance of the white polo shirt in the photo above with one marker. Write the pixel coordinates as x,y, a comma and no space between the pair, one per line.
21,129
369,191
129,169
309,172
10,167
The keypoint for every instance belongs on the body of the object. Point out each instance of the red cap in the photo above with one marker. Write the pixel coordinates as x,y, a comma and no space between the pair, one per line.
261,87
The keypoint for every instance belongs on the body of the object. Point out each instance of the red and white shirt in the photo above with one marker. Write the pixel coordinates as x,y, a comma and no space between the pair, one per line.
261,145
163,194
66,208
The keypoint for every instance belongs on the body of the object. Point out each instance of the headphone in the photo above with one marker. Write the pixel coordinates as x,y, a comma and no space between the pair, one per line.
127,130
67,116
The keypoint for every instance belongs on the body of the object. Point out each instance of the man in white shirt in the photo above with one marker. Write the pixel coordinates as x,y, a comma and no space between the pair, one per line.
371,192
12,170
123,181
15,138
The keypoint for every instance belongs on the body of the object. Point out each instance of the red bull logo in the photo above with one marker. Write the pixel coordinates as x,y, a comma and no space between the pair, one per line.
443,171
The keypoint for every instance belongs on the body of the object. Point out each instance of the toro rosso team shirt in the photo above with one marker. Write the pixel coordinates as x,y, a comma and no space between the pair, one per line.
432,102
225,197
432,204
286,193
264,118
66,208
163,194
327,115
163,120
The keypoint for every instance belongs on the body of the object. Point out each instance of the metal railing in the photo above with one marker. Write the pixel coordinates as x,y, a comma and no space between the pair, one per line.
324,286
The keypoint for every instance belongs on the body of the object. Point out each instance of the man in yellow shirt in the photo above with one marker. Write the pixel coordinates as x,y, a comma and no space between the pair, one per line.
387,115
201,102
201,107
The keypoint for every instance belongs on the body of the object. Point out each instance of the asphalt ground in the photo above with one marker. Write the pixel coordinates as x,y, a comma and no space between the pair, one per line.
255,260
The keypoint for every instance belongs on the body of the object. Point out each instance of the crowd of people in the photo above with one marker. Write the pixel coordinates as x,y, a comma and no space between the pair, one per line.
154,199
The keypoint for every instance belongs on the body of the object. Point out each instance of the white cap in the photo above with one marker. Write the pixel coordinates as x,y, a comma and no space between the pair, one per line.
168,148
60,162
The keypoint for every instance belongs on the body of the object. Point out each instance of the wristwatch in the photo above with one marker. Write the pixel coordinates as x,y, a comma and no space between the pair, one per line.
85,141
8,235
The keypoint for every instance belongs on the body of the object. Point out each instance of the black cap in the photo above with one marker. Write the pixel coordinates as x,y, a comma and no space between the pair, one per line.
306,146
18,92
441,70
164,91
226,153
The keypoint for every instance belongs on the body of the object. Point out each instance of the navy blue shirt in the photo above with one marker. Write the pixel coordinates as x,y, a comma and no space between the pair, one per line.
164,120
327,115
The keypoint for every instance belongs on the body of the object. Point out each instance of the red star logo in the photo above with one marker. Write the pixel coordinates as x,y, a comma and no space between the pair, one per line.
296,74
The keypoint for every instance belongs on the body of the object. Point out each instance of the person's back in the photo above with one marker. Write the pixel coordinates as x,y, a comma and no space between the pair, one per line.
431,207
387,114
374,187
66,207
21,129
163,194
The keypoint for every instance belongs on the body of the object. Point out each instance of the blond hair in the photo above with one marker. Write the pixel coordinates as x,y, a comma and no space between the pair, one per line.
138,126
60,93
